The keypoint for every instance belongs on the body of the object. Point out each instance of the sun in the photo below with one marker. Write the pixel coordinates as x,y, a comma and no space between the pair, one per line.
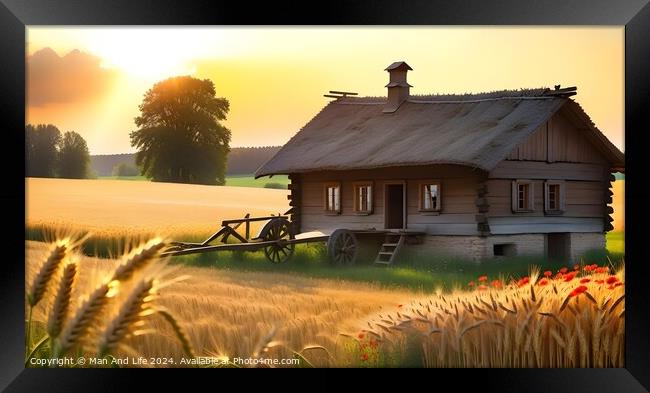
147,54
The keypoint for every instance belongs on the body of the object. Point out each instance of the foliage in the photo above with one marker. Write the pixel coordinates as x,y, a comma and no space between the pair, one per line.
125,169
74,158
179,137
41,149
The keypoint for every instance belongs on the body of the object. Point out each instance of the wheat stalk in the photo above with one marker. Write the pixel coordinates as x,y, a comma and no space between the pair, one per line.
180,333
133,310
46,272
61,305
138,259
86,314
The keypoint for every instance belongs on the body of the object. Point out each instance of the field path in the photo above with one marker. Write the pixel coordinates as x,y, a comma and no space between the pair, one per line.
228,312
138,206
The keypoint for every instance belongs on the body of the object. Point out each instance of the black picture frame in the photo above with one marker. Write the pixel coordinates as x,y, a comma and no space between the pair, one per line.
633,14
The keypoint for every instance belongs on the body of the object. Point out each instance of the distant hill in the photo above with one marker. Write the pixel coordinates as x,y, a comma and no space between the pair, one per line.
241,160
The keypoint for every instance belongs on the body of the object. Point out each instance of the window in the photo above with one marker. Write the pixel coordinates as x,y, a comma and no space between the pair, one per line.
333,198
430,196
554,197
363,198
522,196
504,250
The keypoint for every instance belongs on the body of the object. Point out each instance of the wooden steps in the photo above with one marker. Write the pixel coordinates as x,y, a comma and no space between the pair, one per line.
393,242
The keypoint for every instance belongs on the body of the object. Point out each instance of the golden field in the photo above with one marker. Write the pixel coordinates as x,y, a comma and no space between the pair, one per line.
228,312
572,318
618,203
117,206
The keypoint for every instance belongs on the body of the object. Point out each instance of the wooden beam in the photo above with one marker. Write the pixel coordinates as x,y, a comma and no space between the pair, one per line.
346,93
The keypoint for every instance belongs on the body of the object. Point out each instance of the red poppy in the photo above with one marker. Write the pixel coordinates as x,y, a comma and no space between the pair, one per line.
482,279
576,267
361,335
611,279
600,281
364,357
563,270
603,269
548,273
471,284
497,284
618,284
569,277
578,291
611,287
542,282
584,281
482,287
558,276
523,281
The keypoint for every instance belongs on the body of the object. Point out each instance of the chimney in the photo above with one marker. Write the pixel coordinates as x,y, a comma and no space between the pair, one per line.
398,88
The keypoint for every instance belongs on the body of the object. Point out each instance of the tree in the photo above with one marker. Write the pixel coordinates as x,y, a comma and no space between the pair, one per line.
41,149
74,158
125,169
179,137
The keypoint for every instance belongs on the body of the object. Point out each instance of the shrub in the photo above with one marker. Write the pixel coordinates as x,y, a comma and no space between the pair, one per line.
124,169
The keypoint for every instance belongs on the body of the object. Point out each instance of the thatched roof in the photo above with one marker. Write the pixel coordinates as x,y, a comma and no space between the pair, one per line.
476,130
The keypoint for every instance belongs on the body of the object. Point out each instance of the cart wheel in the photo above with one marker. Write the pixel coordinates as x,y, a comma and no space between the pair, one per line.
342,247
279,230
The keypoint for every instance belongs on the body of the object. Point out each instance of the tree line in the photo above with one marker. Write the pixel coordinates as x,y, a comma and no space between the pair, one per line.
49,153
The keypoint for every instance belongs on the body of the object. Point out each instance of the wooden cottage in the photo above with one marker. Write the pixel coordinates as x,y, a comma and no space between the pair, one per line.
477,175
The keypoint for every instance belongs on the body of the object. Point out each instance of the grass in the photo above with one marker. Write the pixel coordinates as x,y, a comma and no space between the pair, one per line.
616,242
415,273
250,181
277,181
133,178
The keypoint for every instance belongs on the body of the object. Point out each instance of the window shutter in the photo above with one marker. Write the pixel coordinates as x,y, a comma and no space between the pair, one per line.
514,196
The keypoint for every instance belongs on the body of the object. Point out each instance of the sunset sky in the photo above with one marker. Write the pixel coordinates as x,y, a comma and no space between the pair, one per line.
91,80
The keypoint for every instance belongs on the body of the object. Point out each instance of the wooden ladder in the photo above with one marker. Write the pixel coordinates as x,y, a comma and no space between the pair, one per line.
391,247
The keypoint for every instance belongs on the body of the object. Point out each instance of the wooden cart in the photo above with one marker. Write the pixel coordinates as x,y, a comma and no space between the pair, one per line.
278,239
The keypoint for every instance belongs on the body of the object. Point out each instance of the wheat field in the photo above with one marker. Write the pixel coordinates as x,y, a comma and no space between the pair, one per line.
109,207
564,319
227,313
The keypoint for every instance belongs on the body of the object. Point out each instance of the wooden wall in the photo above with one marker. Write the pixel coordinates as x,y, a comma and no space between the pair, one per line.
458,187
558,150
475,202
558,140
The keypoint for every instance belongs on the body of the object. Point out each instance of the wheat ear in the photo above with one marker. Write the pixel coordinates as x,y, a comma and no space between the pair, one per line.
86,314
61,305
132,311
138,259
180,333
47,271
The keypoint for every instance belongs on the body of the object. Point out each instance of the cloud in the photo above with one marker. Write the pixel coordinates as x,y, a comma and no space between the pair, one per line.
75,77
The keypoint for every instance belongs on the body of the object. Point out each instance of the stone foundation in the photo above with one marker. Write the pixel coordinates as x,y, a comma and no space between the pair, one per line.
582,243
478,248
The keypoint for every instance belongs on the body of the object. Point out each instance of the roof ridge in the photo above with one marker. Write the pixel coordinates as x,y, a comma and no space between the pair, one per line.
539,92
